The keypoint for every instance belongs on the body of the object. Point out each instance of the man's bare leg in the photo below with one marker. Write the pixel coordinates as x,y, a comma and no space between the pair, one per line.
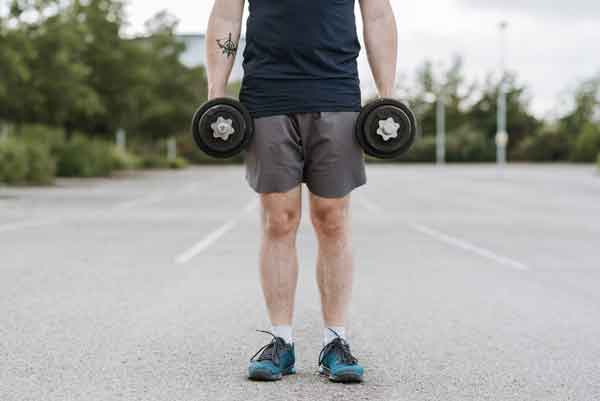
335,269
331,220
278,258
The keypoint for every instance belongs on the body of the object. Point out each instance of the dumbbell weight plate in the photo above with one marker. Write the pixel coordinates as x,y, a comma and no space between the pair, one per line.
209,114
377,140
388,111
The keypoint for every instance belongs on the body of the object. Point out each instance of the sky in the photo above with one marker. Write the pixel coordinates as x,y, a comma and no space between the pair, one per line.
551,45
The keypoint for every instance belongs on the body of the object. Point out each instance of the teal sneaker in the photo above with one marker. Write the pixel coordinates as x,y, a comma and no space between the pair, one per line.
273,361
338,364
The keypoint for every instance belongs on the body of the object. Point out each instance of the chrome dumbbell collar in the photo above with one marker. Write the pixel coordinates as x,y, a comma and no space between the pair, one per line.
223,128
388,129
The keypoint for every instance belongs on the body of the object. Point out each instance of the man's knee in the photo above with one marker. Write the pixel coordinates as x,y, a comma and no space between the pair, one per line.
330,221
281,223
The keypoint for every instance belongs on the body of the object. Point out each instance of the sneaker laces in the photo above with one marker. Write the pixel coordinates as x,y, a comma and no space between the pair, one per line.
341,348
271,351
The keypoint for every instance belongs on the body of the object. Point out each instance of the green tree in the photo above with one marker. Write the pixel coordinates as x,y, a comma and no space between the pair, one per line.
16,94
586,107
171,91
61,74
67,64
548,144
582,124
47,81
587,145
452,84
112,62
521,123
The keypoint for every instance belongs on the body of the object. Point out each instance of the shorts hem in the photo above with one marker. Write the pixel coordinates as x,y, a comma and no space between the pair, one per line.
275,189
342,193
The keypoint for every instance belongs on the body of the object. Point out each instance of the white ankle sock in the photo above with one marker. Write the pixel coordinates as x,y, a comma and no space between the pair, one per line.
329,336
284,332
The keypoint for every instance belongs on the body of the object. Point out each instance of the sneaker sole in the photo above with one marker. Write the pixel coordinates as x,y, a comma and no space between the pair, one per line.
346,378
343,378
263,375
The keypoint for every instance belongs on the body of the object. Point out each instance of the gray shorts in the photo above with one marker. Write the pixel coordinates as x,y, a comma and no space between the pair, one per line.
316,148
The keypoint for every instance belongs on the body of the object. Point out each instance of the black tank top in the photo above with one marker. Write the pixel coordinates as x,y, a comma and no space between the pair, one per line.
301,56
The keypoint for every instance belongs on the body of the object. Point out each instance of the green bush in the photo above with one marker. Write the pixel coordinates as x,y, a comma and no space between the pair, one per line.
124,160
83,157
462,145
587,144
159,162
469,145
547,145
423,150
154,161
178,163
598,162
25,162
53,138
14,161
42,167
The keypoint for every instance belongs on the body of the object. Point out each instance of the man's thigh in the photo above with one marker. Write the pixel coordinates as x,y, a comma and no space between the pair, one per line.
274,160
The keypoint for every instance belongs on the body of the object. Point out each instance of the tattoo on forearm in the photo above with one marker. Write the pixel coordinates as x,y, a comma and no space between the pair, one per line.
228,46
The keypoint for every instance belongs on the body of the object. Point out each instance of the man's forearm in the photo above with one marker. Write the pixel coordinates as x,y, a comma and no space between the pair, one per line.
222,38
381,41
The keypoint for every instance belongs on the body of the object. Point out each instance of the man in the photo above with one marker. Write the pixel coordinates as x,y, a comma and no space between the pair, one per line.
302,89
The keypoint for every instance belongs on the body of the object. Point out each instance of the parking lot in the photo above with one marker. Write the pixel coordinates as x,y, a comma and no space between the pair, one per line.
473,283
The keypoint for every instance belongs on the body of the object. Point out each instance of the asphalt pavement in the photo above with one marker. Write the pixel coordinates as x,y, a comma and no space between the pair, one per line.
472,283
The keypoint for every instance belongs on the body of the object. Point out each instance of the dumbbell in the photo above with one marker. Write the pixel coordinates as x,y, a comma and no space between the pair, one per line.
222,128
385,128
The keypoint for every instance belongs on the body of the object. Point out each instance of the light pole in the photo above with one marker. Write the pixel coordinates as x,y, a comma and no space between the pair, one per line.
501,133
171,148
121,139
440,114
440,123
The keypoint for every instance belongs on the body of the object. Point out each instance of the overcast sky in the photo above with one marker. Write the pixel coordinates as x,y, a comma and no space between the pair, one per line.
551,44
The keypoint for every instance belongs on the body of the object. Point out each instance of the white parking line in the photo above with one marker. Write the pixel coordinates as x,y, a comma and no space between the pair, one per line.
153,199
469,247
214,236
122,206
28,224
448,239
135,203
369,206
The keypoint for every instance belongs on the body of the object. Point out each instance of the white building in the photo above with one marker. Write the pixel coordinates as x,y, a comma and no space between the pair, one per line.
194,54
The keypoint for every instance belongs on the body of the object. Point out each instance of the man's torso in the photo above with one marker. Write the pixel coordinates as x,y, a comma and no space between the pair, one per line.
301,56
